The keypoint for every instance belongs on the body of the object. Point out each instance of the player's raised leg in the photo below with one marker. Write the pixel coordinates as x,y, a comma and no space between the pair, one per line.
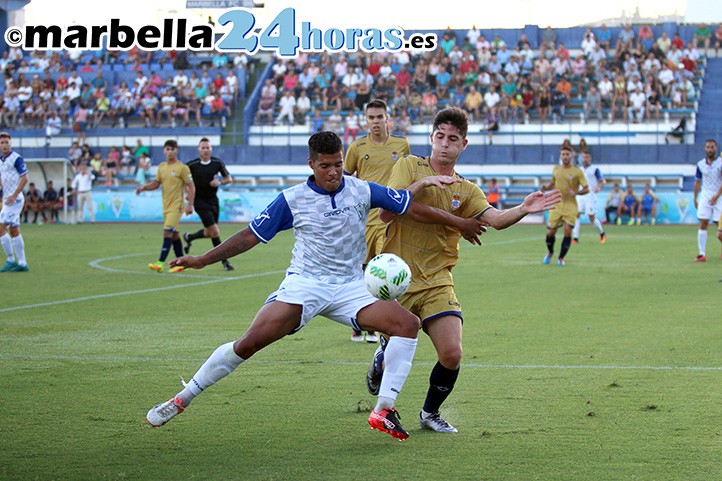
273,321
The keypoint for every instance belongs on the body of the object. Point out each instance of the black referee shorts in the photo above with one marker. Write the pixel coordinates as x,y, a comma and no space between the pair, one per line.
208,211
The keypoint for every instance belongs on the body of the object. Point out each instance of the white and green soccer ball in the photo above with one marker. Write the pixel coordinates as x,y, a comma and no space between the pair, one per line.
387,277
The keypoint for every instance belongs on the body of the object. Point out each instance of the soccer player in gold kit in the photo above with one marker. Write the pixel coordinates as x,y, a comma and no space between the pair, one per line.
371,158
175,178
432,250
567,178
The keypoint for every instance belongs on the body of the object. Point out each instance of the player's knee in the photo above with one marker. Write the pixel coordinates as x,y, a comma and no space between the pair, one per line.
407,325
450,357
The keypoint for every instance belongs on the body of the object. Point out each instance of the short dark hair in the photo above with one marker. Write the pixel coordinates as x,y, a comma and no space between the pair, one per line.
171,143
325,143
567,147
376,104
454,116
708,140
204,139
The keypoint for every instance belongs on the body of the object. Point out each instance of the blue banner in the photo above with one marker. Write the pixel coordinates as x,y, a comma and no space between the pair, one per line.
125,206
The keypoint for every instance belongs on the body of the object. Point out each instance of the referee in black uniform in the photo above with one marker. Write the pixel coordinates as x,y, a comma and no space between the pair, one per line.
206,171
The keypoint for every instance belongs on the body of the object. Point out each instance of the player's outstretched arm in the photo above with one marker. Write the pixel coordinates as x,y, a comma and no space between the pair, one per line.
533,203
470,228
238,243
149,186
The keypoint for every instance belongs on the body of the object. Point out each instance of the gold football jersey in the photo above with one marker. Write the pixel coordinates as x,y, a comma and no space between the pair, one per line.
173,178
431,250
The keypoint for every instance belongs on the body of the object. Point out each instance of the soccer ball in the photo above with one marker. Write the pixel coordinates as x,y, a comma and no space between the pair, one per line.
387,277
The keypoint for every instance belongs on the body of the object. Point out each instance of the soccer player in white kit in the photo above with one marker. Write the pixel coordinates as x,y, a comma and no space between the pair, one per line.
13,177
708,180
328,214
588,202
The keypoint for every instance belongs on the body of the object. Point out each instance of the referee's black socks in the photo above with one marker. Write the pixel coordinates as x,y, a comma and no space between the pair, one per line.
196,235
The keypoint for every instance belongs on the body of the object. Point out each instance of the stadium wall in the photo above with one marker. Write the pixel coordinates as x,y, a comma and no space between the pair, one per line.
242,206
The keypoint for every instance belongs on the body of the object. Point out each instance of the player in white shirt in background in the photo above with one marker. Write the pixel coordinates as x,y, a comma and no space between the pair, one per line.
13,177
708,181
588,202
83,185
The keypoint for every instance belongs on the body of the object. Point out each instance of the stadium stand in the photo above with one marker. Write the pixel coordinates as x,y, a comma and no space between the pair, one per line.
527,139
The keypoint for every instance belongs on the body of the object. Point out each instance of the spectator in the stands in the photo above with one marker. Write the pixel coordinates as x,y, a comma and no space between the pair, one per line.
544,102
303,106
666,79
11,109
588,43
718,39
677,41
703,37
645,38
549,38
625,40
219,59
664,43
317,122
74,154
148,107
559,102
637,104
53,126
351,127
654,104
593,104
604,37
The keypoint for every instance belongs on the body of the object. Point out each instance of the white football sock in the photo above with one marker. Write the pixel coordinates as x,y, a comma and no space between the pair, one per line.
397,360
702,241
598,225
7,244
19,247
575,230
222,362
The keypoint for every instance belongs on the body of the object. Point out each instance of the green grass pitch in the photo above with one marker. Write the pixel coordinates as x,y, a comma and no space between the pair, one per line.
609,368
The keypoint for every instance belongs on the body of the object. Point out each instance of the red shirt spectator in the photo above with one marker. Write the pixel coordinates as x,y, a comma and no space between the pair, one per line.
689,64
678,42
374,68
403,77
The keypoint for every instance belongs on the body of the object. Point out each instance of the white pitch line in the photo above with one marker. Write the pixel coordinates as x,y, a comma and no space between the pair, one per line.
140,291
96,264
356,363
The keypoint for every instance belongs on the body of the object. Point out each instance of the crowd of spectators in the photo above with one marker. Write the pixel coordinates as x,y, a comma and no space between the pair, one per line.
71,89
107,165
631,76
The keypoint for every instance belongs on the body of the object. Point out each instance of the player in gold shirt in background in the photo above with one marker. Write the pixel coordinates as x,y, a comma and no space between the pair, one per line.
175,178
371,158
432,250
566,178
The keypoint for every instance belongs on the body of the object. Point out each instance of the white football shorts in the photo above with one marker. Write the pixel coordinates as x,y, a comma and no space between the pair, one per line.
587,204
338,302
10,214
707,211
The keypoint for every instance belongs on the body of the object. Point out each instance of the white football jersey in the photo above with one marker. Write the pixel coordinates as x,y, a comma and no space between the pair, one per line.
329,227
710,175
12,168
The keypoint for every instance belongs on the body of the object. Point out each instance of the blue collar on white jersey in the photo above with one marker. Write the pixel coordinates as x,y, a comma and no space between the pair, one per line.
312,184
